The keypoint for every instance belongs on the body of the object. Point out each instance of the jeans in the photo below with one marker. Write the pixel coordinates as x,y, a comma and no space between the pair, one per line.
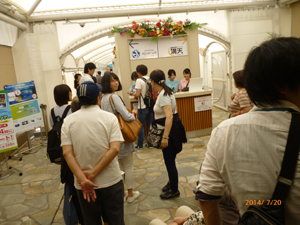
169,154
144,115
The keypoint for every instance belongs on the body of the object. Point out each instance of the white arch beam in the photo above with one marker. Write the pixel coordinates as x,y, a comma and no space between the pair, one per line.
151,11
13,13
105,61
104,49
104,57
13,22
33,7
99,46
100,55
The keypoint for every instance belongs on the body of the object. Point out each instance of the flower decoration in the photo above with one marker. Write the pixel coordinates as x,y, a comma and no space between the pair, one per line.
162,28
115,52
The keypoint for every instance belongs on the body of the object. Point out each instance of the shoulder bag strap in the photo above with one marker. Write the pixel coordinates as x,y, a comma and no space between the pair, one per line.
290,160
187,84
66,112
111,101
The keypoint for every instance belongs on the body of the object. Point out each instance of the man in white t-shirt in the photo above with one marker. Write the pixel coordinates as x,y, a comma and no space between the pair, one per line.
144,114
91,138
89,70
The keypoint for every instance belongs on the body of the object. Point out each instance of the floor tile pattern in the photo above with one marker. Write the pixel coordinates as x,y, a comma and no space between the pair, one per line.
36,198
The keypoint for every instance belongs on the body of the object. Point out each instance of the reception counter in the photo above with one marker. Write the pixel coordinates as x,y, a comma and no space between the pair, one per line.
197,120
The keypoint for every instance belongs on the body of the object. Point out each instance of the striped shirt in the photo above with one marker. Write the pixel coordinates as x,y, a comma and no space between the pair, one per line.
240,101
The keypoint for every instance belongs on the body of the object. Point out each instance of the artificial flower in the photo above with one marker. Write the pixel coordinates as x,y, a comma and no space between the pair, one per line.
162,28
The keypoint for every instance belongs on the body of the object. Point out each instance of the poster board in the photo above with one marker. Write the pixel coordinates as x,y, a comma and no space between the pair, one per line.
202,103
8,140
24,106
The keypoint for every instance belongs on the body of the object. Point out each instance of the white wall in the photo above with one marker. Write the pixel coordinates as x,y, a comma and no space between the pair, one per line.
8,33
251,28
36,57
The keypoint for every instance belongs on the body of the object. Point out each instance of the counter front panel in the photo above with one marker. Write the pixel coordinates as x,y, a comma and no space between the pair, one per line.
192,120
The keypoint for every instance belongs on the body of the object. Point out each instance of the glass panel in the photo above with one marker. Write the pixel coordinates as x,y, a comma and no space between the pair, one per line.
219,65
219,89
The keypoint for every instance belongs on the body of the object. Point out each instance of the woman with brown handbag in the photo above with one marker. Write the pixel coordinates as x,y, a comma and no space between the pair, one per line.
111,84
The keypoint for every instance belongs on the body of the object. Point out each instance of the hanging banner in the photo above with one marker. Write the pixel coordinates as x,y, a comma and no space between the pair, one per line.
202,103
24,106
8,140
142,49
170,47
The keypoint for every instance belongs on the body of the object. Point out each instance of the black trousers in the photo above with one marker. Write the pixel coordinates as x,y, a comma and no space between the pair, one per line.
109,205
169,154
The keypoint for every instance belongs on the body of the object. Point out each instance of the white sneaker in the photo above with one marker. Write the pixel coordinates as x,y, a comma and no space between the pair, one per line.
126,196
136,194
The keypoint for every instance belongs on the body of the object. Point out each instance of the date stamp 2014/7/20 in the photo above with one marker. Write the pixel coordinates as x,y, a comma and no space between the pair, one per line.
261,202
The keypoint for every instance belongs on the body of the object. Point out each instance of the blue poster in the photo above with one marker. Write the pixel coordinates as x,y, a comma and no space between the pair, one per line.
8,140
24,106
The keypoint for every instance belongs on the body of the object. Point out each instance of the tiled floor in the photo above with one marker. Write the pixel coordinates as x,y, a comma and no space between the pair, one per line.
36,197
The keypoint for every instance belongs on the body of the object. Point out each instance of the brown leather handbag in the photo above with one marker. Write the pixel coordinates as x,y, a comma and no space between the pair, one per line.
130,130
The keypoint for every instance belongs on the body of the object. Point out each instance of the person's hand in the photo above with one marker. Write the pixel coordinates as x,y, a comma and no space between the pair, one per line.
179,220
134,112
233,96
164,143
88,191
89,175
128,92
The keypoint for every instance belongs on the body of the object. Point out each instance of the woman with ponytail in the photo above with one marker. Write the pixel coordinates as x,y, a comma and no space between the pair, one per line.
166,116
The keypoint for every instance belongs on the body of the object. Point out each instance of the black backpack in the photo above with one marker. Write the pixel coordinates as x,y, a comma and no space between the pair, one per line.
54,150
149,96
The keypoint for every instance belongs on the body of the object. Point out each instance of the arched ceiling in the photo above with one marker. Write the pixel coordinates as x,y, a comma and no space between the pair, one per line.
90,45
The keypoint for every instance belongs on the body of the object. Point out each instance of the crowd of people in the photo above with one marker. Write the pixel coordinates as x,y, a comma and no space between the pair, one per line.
243,157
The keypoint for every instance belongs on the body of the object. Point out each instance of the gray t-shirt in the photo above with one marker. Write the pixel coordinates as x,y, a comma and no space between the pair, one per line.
164,100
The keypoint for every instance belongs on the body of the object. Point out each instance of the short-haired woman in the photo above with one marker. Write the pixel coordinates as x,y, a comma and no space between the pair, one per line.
62,95
166,116
185,83
241,102
171,82
111,84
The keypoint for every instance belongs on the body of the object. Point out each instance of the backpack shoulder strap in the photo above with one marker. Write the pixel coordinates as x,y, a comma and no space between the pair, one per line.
66,112
144,79
53,115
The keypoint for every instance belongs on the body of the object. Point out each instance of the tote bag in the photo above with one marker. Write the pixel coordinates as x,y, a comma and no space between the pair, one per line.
130,130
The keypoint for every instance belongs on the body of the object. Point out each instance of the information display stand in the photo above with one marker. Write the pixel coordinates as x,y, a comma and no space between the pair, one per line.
25,111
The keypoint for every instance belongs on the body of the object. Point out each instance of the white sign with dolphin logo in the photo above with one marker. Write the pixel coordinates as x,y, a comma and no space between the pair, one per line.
142,49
